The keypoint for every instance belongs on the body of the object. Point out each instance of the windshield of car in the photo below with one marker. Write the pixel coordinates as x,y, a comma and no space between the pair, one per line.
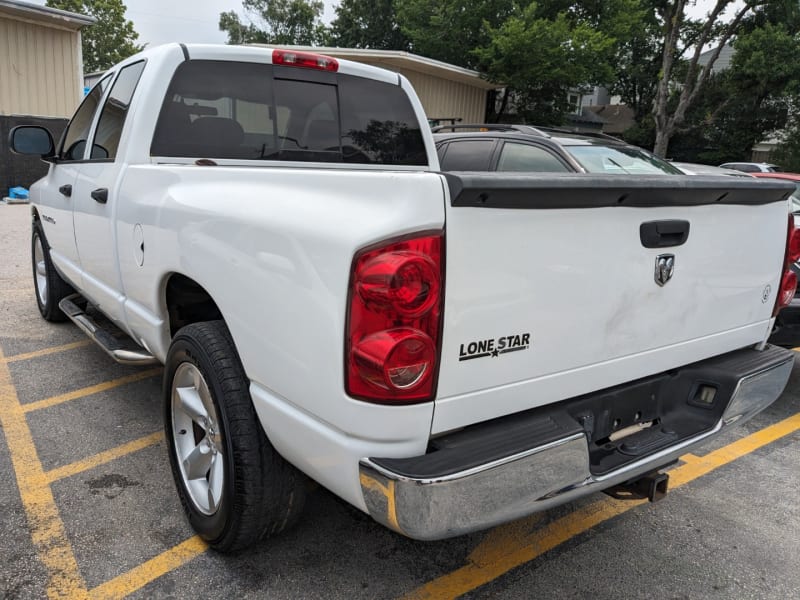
620,160
773,169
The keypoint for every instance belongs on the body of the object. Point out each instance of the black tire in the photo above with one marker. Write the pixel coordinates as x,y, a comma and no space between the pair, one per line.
45,276
261,493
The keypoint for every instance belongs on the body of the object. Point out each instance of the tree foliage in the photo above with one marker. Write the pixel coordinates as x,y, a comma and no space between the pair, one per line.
367,24
276,22
670,115
451,30
542,59
741,105
111,39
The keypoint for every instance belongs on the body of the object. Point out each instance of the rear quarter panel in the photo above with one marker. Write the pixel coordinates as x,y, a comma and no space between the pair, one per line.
273,247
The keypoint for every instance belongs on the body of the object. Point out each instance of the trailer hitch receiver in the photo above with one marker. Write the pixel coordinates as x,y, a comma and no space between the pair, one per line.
652,486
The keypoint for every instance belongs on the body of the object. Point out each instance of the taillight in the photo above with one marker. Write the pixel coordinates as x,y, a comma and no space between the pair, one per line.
394,321
788,279
309,60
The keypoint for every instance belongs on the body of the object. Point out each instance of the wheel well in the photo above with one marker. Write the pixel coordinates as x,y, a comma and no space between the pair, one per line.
188,302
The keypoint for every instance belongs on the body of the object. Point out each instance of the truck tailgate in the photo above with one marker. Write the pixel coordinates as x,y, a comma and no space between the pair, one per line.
552,290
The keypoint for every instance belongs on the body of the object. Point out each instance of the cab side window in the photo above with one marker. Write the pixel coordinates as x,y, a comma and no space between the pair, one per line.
112,119
467,155
528,158
73,142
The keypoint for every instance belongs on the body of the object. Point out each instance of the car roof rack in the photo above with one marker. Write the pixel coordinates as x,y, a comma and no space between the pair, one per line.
492,127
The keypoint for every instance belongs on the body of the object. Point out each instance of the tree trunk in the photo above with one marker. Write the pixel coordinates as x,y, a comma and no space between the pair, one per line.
667,124
663,136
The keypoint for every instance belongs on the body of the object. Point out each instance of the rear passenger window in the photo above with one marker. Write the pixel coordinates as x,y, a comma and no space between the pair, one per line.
528,158
468,155
112,119
378,124
216,109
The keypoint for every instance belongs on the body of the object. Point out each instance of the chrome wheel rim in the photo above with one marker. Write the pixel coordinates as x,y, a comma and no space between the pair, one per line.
40,270
197,438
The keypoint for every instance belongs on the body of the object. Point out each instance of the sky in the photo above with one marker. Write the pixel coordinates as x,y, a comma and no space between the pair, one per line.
196,21
189,21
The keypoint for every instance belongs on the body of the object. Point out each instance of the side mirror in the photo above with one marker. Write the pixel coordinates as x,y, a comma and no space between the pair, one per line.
30,139
99,151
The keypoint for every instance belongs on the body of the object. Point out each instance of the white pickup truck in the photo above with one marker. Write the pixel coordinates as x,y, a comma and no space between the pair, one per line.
445,351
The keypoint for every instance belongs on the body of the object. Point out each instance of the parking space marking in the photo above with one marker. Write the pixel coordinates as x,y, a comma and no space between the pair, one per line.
87,391
47,529
46,351
138,577
517,544
102,458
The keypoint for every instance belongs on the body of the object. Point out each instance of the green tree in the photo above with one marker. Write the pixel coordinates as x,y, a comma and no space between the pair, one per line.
541,59
276,22
688,75
367,24
743,104
450,30
638,59
787,154
111,39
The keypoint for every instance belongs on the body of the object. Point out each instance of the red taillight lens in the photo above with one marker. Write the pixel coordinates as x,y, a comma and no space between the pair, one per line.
397,359
789,279
403,281
793,249
309,60
394,321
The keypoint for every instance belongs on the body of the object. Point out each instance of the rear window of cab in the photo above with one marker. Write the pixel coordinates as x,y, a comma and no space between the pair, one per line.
239,110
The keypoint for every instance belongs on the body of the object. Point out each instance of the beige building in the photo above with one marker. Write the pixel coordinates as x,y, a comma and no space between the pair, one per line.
446,91
41,67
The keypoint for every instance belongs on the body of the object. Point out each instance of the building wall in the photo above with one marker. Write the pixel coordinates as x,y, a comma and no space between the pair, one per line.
446,99
40,69
441,98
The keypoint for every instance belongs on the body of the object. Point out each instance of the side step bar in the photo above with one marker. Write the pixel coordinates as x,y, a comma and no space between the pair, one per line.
111,345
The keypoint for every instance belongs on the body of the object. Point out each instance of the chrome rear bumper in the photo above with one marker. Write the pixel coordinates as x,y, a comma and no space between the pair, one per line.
540,477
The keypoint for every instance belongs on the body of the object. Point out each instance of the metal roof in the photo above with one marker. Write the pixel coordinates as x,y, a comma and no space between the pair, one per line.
44,14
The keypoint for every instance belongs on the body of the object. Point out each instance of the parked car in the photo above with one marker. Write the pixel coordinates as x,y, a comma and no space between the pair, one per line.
528,149
751,167
698,169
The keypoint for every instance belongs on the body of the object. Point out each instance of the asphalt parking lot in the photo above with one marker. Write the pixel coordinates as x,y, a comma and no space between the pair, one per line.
89,510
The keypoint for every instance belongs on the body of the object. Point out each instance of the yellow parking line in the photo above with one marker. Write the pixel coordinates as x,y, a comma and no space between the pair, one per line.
140,576
47,529
46,351
516,544
103,457
87,391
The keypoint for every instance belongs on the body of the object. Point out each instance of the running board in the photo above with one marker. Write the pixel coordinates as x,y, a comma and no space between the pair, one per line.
112,346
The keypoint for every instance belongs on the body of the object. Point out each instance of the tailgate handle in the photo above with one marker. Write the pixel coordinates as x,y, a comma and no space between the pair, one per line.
663,234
